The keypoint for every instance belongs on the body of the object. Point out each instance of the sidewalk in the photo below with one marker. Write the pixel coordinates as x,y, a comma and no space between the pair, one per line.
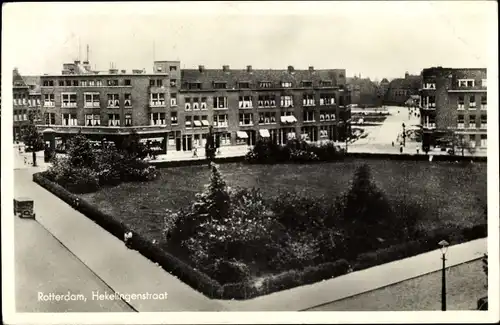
43,265
127,271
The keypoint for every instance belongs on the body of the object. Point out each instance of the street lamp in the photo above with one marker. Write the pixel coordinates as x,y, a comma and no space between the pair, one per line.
404,135
444,247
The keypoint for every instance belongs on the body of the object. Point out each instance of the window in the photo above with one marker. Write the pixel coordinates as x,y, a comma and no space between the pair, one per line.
429,85
220,102
325,83
173,99
307,84
461,102
75,83
484,102
91,83
68,100
196,104
484,121
266,101
48,83
159,83
466,82
113,119
50,118
188,121
187,103
127,82
220,120
326,99
220,85
432,101
323,132
308,100
204,121
265,84
152,82
225,138
92,100
173,118
98,83
472,102
49,100
173,68
483,83
308,116
245,102
286,101
173,82
484,140
157,99
113,100
194,85
128,119
472,121
157,119
128,100
242,85
246,119
84,83
61,83
69,119
203,103
92,120
267,118
286,84
113,82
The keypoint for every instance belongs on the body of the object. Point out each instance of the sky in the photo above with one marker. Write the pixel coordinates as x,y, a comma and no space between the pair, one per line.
375,39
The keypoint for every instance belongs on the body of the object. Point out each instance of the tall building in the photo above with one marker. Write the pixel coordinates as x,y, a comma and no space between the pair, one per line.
400,89
180,105
454,100
364,92
26,101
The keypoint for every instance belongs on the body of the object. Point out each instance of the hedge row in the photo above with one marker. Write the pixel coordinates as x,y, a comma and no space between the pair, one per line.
168,262
246,290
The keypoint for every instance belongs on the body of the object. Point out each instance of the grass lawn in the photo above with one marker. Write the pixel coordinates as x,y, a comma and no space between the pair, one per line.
447,193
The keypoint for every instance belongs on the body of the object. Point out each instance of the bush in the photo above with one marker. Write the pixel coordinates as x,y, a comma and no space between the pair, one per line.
75,179
229,271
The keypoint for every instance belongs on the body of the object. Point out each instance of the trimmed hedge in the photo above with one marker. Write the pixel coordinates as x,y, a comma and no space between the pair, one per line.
246,290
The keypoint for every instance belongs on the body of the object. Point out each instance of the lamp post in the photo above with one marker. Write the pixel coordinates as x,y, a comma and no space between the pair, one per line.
444,247
404,135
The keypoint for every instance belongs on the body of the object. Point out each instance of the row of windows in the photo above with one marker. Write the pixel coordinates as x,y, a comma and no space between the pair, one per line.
470,83
219,120
261,84
471,101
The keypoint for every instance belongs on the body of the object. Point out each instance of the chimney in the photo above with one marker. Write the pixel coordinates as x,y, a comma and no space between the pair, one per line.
201,68
225,68
77,61
290,69
136,71
124,71
113,71
311,69
249,68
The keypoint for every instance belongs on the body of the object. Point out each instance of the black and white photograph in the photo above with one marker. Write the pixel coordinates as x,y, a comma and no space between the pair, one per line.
250,162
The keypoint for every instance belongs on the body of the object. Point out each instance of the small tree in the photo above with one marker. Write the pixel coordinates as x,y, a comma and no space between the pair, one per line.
133,146
80,152
32,138
210,147
460,143
365,211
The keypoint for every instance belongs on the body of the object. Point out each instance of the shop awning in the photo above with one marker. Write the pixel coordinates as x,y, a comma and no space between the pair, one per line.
204,122
197,123
288,119
284,119
264,133
242,134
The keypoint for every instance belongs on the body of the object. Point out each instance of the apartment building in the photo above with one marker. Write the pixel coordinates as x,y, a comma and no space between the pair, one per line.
107,104
245,105
454,100
26,101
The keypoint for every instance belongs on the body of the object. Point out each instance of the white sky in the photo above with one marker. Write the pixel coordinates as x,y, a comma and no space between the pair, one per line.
377,39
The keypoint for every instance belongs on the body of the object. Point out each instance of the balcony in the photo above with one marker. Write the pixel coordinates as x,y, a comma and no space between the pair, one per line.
49,104
92,105
157,103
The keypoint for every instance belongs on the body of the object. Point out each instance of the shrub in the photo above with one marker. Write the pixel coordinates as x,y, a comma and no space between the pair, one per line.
80,152
75,179
229,270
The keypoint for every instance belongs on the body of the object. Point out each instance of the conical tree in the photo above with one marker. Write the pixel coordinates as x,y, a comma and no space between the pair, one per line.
32,138
80,152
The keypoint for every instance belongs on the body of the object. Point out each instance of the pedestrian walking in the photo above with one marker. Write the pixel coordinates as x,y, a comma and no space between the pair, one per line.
195,152
25,161
417,151
393,143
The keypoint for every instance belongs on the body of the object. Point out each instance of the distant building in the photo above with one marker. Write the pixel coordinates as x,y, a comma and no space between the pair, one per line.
26,102
399,90
364,92
454,100
383,86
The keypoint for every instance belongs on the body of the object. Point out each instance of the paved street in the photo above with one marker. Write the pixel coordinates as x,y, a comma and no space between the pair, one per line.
465,284
44,266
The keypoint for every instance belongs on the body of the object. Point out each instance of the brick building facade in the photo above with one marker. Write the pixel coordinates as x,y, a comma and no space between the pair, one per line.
400,89
26,101
455,100
241,105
